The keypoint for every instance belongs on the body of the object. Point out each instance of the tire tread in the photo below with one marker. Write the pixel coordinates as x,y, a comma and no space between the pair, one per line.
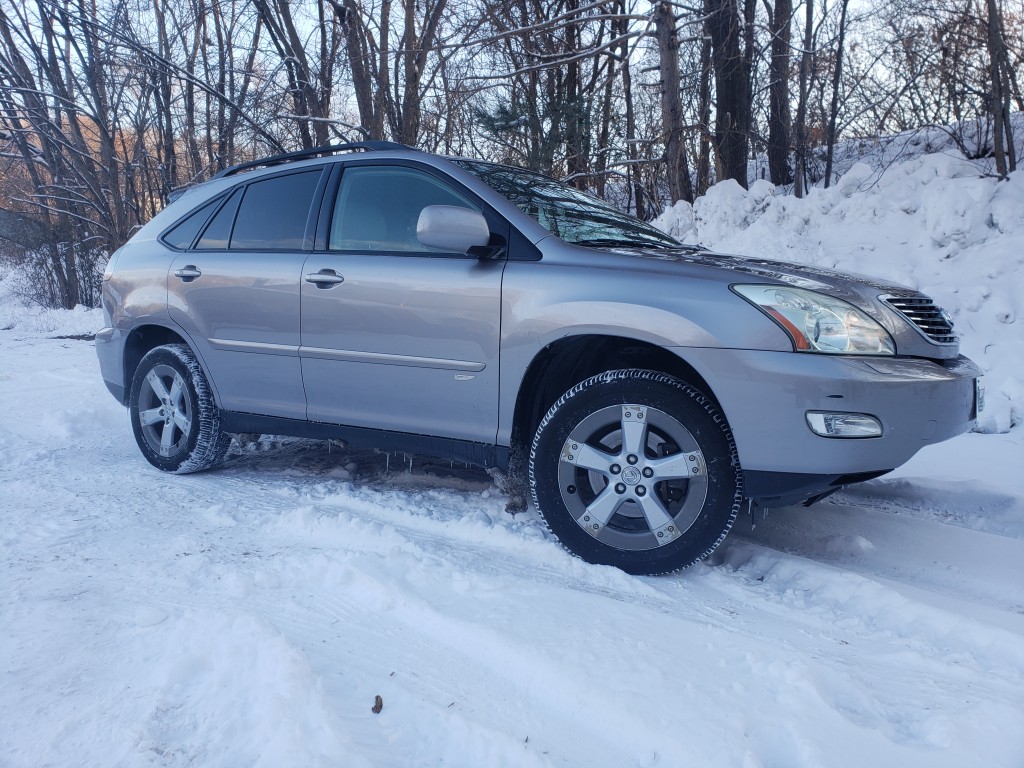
696,396
212,442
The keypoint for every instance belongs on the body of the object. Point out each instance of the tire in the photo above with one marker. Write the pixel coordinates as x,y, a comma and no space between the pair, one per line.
174,416
657,501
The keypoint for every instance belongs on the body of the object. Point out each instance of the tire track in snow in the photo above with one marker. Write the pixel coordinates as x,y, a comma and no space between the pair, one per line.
981,572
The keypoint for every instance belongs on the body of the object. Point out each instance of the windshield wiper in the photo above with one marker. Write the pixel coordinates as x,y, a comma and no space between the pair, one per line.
611,242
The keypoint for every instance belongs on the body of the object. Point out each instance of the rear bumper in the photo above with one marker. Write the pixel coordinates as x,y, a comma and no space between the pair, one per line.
765,397
110,351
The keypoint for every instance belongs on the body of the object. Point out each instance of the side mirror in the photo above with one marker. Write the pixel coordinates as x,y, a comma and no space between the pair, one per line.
451,228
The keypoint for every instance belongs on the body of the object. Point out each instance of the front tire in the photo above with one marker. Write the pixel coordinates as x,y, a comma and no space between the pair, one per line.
174,416
636,469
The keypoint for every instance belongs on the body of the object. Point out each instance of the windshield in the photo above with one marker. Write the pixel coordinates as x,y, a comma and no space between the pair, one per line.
572,215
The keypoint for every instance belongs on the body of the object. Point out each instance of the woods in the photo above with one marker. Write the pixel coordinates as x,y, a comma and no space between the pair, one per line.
108,106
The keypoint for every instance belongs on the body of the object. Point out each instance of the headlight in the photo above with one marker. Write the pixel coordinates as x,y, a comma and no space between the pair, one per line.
819,323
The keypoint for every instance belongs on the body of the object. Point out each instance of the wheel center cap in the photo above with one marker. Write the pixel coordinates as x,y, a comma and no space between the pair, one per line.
631,476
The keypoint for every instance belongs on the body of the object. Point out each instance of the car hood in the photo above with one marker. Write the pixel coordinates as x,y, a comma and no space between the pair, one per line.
798,275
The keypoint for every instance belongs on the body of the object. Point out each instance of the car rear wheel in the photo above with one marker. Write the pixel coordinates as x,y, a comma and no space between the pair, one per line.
636,469
174,416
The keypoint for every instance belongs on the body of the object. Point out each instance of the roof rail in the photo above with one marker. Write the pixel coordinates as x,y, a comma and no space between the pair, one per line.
303,154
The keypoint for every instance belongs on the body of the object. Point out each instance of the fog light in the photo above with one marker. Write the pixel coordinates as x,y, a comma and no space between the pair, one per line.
829,424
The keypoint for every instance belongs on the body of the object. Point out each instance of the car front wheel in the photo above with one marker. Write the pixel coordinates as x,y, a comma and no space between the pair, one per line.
174,416
636,469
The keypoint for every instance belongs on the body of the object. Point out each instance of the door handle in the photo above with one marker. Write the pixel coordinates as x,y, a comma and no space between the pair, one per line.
325,278
188,274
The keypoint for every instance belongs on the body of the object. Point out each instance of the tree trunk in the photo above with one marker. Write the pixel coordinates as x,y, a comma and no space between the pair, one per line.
575,157
680,187
833,111
704,117
633,169
800,182
779,116
732,88
999,95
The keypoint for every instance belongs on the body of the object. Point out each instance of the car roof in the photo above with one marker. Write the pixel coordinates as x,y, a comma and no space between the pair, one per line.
306,154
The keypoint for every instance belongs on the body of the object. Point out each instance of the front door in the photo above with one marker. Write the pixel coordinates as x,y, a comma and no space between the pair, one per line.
396,335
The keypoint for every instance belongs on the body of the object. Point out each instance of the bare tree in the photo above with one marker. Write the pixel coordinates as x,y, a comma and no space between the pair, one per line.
800,126
999,98
680,186
837,77
780,20
732,87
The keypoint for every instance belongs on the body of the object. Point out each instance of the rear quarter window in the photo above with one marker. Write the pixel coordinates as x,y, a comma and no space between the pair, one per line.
183,234
218,233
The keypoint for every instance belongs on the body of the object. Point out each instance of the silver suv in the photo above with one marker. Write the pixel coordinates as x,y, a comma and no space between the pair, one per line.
640,389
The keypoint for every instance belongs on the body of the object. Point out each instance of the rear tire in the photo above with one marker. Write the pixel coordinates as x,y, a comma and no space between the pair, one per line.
174,416
636,469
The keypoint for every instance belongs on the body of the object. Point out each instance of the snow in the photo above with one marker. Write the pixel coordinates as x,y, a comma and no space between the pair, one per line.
250,616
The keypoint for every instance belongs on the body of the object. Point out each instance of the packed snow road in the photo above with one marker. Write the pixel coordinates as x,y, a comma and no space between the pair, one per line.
251,616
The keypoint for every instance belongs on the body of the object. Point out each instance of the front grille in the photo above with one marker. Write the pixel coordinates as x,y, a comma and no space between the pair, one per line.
929,319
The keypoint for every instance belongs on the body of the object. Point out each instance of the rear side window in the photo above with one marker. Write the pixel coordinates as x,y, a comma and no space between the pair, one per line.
273,212
182,234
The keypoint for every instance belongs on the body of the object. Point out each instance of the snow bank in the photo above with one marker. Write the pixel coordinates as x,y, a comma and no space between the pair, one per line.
935,222
25,317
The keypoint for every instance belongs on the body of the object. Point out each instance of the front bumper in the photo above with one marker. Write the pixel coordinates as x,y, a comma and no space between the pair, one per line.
765,396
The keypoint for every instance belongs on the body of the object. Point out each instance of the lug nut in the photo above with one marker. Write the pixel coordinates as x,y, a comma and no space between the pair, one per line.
641,491
632,459
620,488
648,472
615,469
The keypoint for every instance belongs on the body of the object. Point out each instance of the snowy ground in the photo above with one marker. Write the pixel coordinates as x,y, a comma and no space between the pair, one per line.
250,616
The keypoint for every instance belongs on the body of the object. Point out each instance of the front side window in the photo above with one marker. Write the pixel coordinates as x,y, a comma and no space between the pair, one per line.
566,212
377,209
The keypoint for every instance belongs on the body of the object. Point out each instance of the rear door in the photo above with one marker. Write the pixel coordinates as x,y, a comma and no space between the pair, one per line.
396,335
236,292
